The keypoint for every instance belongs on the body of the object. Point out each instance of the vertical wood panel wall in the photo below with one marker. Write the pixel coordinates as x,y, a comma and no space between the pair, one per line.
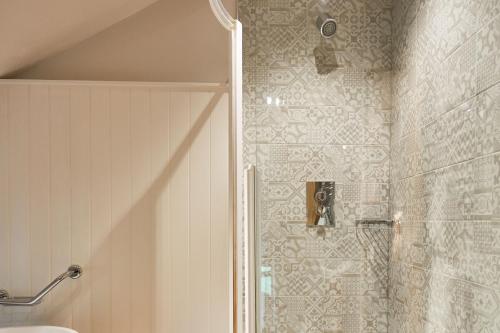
131,182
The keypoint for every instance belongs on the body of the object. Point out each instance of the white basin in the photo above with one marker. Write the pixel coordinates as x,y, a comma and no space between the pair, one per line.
36,329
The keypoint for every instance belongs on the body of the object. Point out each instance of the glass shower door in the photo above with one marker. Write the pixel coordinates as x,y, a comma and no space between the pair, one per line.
314,278
316,110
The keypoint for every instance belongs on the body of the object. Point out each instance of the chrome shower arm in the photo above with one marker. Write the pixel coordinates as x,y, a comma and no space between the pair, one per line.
74,272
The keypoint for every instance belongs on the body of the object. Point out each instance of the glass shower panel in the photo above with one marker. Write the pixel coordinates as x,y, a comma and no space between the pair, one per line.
313,278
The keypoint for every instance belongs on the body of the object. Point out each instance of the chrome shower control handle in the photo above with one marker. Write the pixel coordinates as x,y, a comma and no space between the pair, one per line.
320,199
321,196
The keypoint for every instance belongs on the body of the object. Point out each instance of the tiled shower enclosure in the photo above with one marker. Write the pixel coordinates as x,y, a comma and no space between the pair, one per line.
401,108
318,109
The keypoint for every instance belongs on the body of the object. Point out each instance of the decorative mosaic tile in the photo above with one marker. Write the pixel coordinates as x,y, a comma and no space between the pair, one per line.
443,267
299,277
320,125
488,68
488,121
460,68
460,22
332,123
375,164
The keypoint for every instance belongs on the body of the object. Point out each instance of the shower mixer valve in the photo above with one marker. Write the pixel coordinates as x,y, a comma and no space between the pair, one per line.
320,203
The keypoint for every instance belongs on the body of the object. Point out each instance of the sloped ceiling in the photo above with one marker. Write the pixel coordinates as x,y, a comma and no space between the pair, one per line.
171,40
31,30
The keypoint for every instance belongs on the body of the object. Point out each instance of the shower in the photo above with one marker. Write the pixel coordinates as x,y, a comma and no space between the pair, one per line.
326,25
324,54
358,219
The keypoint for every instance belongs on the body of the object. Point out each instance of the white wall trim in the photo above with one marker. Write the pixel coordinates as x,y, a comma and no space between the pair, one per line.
234,26
241,246
169,85
222,15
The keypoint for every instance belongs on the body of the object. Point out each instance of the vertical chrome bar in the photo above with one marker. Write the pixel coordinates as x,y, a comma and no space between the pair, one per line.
250,252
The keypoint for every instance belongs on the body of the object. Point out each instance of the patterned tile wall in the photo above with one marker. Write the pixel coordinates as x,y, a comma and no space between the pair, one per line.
445,157
332,122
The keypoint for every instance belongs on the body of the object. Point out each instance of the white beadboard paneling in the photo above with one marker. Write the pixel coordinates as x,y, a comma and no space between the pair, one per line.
39,179
80,202
140,213
220,228
130,181
60,201
5,315
100,198
160,117
179,212
18,197
121,202
199,215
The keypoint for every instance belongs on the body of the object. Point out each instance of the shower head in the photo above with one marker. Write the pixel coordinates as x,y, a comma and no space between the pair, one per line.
327,25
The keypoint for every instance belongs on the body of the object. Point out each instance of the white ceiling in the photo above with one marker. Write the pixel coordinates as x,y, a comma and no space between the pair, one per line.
31,30
171,40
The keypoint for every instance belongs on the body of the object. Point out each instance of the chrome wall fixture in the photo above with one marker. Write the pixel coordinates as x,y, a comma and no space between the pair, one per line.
368,222
74,272
326,25
320,200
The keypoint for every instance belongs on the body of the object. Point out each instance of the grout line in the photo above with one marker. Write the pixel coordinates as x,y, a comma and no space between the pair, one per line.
431,270
131,216
479,29
70,184
188,220
8,199
50,224
450,165
29,199
315,144
454,108
152,204
210,246
168,222
89,203
110,214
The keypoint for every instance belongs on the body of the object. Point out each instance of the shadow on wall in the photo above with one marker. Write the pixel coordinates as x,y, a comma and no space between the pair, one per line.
54,313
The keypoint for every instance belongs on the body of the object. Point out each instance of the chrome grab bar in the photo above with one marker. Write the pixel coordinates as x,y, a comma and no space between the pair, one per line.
74,272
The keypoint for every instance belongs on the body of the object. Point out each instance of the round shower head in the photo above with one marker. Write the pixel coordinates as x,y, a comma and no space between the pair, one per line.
327,25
